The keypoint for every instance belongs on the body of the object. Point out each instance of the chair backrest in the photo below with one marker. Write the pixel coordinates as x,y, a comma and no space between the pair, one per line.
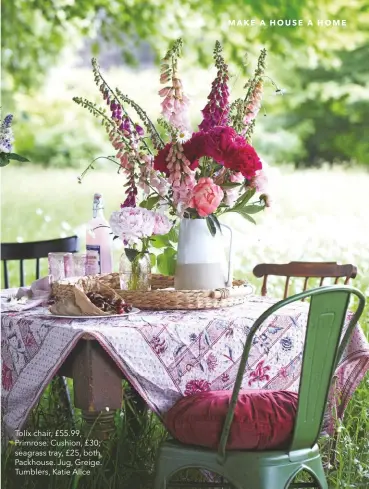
305,269
34,250
322,351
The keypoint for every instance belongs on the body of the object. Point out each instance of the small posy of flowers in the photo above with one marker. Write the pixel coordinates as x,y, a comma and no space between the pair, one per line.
6,142
198,173
135,224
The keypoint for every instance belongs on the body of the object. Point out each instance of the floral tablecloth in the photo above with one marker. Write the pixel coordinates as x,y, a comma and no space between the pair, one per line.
168,354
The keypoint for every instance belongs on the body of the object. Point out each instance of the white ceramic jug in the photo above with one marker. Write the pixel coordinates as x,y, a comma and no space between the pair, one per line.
201,261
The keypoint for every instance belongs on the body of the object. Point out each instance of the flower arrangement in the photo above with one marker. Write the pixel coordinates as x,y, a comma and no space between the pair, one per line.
198,174
6,142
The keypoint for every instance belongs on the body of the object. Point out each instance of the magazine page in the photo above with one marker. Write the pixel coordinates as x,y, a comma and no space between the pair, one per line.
184,244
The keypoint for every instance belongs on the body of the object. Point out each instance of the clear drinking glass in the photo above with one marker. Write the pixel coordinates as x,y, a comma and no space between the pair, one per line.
79,264
68,265
56,266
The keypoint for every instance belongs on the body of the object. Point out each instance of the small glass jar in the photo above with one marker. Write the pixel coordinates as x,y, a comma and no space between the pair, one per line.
135,270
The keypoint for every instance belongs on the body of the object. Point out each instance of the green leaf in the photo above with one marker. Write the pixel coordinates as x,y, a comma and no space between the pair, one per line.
14,156
211,226
245,198
4,160
166,262
151,202
131,253
252,209
216,222
230,185
173,234
160,241
245,216
152,259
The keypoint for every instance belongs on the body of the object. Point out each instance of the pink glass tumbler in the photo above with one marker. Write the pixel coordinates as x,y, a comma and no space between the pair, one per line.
69,265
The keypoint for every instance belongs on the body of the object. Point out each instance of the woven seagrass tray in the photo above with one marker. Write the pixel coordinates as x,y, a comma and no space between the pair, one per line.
159,298
162,296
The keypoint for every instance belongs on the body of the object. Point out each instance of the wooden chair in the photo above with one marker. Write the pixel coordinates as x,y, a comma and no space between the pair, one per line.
34,250
276,469
304,269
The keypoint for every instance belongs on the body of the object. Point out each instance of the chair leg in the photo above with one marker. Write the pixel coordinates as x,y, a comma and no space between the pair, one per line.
161,476
284,481
316,467
168,464
275,477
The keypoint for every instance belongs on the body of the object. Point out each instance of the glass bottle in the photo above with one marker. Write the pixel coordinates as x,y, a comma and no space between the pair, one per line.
135,270
99,237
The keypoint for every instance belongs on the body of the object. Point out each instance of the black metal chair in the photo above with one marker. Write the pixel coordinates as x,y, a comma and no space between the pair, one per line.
34,250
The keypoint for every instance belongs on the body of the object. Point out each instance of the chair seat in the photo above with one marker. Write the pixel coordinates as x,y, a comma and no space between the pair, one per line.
263,419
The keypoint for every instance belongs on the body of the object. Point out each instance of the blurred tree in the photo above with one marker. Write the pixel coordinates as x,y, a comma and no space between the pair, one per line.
324,68
330,110
35,31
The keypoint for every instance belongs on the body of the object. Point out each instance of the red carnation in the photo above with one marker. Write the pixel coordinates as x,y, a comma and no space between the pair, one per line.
224,137
194,148
223,144
160,161
243,158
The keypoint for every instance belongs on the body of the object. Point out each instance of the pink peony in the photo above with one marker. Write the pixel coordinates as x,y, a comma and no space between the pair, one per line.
132,223
232,194
260,181
162,224
206,197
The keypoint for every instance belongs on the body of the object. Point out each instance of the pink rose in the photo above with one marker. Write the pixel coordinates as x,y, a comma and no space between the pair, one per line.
206,197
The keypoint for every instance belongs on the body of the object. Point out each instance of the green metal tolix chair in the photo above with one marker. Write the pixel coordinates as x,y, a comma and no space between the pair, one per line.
277,468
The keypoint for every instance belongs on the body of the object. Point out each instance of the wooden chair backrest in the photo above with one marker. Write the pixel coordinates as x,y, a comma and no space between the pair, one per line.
306,270
34,250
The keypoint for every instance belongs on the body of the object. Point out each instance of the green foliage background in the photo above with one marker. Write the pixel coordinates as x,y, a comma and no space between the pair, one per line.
325,70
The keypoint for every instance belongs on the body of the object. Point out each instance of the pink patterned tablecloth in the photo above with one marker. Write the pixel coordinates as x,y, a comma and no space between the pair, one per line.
168,354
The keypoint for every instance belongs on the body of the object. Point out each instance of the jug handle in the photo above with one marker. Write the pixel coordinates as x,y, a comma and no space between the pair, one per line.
229,278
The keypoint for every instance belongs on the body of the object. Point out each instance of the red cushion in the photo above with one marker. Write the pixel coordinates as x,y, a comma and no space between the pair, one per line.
263,419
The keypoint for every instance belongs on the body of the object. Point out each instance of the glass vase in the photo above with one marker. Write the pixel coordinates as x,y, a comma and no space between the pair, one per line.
135,270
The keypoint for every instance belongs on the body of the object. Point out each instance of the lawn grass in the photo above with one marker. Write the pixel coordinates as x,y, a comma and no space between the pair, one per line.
316,215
